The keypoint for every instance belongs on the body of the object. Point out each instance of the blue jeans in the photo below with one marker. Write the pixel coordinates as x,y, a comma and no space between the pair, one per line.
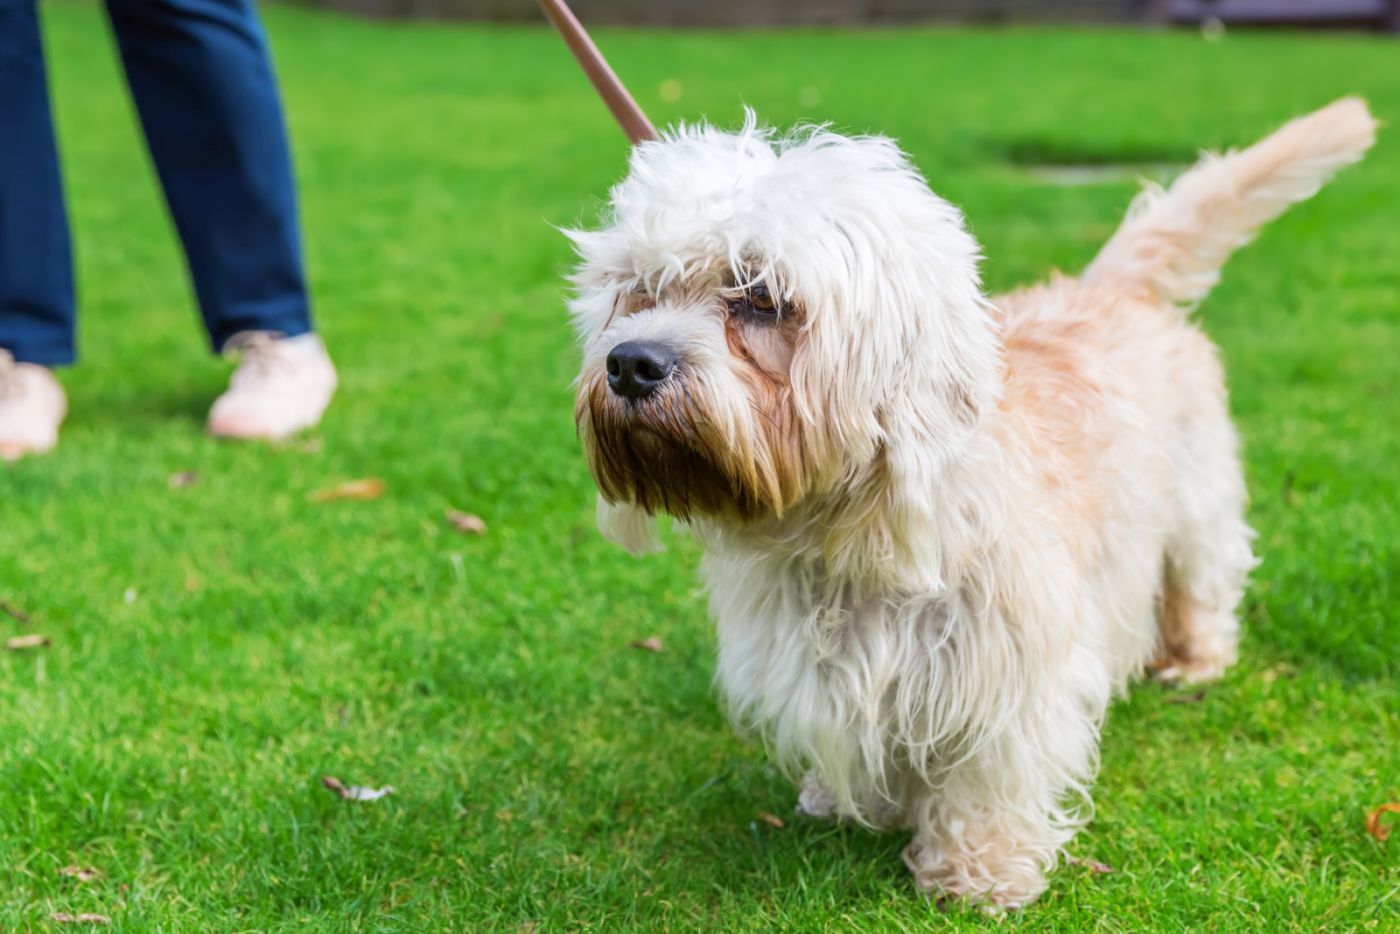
202,80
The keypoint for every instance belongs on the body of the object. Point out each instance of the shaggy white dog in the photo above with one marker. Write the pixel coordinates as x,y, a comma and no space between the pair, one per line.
941,530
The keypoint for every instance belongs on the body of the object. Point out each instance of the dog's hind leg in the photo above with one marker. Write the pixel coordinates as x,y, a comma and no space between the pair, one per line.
1208,555
1199,641
1199,636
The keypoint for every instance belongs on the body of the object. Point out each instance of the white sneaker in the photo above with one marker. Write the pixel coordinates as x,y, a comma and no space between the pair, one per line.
32,406
282,386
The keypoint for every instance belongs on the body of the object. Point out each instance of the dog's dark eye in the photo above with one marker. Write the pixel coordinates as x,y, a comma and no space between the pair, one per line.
761,301
756,301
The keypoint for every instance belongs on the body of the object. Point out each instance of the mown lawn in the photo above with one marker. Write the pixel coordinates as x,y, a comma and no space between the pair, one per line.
218,648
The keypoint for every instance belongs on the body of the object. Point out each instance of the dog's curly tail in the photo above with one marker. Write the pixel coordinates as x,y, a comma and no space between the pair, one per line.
1174,242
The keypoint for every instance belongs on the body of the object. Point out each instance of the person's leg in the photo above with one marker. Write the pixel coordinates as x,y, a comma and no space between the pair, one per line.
36,267
202,80
36,264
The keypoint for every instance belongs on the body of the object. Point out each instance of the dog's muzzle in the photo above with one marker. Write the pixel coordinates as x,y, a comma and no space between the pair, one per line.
636,369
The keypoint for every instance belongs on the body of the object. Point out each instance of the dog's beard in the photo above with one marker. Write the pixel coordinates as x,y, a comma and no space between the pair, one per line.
670,453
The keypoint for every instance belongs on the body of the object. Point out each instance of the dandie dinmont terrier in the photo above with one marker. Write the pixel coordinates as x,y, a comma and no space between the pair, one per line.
941,530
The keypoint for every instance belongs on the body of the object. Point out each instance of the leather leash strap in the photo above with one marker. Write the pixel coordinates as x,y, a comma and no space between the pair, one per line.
634,123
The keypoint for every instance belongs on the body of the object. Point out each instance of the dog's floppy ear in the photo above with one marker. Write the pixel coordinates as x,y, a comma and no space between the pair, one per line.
898,362
952,377
896,438
630,526
926,432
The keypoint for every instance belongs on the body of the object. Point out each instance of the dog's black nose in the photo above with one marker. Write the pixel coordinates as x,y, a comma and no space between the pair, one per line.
637,368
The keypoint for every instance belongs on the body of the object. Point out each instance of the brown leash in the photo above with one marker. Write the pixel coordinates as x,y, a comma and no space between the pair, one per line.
634,123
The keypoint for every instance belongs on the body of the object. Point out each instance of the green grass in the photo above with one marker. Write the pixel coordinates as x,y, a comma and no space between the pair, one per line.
547,774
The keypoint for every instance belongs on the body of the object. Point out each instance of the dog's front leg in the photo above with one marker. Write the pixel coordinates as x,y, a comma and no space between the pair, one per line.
877,810
815,801
988,858
982,848
995,826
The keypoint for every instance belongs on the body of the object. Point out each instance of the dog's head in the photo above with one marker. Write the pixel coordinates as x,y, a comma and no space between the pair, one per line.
765,320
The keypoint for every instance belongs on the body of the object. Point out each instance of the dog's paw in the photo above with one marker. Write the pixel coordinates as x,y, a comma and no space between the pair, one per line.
1199,645
992,889
1203,663
1192,671
815,801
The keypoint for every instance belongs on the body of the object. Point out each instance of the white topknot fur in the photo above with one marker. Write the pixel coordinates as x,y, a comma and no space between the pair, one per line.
940,532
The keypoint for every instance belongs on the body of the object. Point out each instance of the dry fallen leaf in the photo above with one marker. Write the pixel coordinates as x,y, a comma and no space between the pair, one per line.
81,873
32,641
1193,698
1373,820
13,612
466,522
650,644
63,917
772,820
355,792
184,478
368,488
1094,866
